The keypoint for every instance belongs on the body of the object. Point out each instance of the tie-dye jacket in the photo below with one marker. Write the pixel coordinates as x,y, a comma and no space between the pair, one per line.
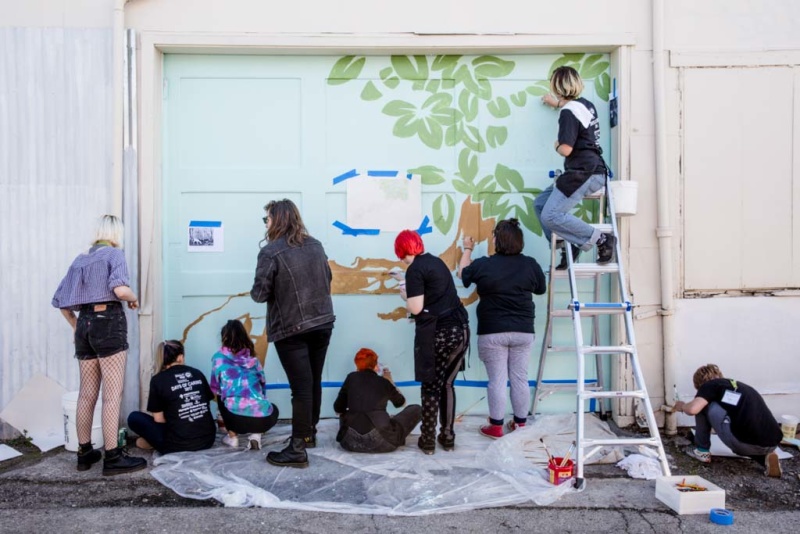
238,379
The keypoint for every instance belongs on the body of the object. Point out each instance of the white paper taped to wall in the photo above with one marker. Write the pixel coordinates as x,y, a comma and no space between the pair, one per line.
384,202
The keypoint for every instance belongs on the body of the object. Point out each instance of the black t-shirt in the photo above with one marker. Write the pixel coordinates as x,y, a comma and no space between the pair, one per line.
505,284
578,127
429,276
182,393
751,421
363,400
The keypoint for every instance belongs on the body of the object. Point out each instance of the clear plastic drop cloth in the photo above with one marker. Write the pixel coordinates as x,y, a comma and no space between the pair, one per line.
479,473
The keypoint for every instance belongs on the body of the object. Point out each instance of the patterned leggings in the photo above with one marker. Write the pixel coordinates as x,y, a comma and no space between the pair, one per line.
111,371
449,347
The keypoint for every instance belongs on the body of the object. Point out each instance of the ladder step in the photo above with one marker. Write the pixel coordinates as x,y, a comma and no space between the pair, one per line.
600,193
633,394
653,442
591,312
585,306
609,349
588,270
603,227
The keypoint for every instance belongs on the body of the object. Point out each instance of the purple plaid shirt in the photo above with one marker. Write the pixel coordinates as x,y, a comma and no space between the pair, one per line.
92,277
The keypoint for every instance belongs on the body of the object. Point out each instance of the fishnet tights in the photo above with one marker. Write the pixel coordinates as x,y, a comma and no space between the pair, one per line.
111,372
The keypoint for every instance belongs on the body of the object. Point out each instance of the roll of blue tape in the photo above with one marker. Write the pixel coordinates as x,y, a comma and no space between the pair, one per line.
721,516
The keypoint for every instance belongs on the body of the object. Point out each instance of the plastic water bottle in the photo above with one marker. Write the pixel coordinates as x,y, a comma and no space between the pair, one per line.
122,437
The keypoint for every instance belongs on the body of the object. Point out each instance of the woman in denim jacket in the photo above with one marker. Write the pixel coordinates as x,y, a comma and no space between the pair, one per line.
294,279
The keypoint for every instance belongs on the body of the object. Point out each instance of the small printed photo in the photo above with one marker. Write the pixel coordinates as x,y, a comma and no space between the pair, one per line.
201,237
205,236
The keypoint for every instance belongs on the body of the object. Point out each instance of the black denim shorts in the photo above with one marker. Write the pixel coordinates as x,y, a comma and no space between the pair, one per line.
102,333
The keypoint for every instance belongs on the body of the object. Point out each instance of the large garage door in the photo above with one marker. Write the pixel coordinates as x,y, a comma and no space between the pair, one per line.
364,146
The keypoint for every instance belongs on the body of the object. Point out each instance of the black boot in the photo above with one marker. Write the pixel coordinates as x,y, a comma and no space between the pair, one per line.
563,263
87,456
312,441
294,455
118,462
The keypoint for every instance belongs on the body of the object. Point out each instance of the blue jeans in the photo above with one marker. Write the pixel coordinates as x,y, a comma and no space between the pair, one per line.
145,426
714,416
554,211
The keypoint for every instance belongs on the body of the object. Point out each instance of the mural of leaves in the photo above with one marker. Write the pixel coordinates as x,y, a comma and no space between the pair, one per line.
444,213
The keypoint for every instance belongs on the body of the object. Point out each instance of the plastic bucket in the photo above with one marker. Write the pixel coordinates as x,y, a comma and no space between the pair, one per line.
789,426
560,474
625,195
69,403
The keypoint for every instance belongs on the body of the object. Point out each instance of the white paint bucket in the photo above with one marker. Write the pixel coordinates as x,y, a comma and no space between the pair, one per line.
69,402
625,195
789,426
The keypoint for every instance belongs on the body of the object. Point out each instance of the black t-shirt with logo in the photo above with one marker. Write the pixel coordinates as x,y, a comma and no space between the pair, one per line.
505,284
429,276
579,128
751,420
182,394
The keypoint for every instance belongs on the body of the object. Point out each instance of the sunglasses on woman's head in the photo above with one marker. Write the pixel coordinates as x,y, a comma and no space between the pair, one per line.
265,219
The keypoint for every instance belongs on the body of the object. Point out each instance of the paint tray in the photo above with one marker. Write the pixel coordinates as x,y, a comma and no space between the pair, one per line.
689,502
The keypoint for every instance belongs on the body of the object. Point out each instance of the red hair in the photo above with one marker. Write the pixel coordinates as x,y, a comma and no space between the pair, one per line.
366,359
408,243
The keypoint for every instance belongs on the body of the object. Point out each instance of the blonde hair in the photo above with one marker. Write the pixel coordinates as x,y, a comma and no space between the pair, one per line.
706,373
566,83
109,228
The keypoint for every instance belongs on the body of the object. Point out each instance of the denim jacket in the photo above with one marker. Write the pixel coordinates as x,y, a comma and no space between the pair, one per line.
295,282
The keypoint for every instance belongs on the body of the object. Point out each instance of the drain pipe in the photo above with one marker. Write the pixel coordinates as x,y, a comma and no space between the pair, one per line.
118,75
664,230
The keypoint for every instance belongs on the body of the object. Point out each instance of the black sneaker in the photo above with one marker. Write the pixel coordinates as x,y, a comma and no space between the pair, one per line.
87,456
605,250
563,264
119,462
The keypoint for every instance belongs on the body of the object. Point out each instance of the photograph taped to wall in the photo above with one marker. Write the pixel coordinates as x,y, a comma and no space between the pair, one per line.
205,236
386,203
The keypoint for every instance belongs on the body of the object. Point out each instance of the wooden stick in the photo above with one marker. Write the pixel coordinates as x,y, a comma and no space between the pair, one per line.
460,417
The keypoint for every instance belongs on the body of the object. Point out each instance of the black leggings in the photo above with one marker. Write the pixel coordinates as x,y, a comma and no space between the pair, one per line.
242,424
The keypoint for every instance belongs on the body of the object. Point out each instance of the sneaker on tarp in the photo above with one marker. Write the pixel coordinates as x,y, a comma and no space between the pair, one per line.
492,431
513,425
231,441
254,442
700,456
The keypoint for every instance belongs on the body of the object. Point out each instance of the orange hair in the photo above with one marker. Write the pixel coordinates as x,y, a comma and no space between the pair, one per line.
366,359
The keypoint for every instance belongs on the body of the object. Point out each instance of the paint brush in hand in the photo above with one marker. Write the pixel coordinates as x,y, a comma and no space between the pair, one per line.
546,450
566,456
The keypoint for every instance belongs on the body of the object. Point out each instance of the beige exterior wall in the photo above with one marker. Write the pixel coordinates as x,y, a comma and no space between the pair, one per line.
720,33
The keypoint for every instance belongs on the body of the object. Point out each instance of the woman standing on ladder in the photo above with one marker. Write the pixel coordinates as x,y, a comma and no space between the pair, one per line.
584,170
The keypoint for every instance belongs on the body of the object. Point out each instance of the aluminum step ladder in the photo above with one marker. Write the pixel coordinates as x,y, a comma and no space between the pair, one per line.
593,389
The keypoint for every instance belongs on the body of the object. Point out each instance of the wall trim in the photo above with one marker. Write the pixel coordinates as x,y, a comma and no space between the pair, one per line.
734,58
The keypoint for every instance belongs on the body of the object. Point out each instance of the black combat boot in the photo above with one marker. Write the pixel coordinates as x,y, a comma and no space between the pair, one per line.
563,263
312,441
118,462
87,456
294,455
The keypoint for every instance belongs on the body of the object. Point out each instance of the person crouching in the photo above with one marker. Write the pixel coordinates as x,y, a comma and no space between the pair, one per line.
365,426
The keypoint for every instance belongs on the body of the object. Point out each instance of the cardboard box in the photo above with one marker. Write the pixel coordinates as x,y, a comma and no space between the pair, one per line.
689,502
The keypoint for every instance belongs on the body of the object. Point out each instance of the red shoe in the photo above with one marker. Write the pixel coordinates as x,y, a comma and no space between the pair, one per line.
512,425
492,431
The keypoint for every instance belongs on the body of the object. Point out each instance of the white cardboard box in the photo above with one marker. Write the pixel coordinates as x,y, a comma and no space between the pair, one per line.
689,502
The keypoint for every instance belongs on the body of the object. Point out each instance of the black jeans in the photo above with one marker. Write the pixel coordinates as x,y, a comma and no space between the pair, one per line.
146,427
302,357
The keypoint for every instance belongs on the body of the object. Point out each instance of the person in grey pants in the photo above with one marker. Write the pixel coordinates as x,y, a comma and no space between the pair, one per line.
506,282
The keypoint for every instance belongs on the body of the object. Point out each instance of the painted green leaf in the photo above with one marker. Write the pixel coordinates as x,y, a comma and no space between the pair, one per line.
471,137
496,135
592,70
499,107
528,217
429,174
491,205
430,132
468,104
519,99
399,108
540,88
467,166
574,57
510,176
588,63
411,70
452,134
439,100
447,116
463,187
481,88
484,183
448,83
560,62
443,218
385,73
433,86
370,92
602,86
392,82
418,85
446,64
492,67
346,69
405,126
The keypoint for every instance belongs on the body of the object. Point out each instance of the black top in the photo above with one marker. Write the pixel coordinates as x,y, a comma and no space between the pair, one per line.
182,393
751,421
578,127
505,284
429,276
363,400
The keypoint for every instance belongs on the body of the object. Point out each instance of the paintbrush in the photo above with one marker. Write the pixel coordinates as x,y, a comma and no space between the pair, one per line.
546,450
566,456
471,406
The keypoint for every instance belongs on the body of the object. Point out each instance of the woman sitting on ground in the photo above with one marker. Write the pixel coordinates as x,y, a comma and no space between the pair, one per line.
365,426
238,380
179,396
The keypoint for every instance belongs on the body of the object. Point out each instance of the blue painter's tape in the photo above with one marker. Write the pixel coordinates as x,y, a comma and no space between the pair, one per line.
205,224
346,230
382,174
720,516
409,176
342,177
460,383
425,226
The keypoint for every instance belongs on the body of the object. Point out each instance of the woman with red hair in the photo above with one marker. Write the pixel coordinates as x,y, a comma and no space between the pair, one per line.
441,338
364,424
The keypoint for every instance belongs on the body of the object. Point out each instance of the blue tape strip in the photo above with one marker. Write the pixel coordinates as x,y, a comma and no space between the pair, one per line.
461,383
346,230
205,224
382,174
720,516
425,226
342,177
409,176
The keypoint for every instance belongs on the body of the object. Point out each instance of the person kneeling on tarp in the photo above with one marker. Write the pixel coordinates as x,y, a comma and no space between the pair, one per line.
739,416
365,426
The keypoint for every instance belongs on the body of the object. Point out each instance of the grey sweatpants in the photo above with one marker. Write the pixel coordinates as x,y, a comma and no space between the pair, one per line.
506,356
714,416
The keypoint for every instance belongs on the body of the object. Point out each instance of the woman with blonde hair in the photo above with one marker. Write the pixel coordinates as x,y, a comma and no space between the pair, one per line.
95,286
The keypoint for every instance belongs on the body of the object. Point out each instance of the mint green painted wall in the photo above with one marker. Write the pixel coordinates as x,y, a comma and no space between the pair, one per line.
242,130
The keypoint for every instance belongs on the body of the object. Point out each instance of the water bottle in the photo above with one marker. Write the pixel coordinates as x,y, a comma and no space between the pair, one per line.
122,437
